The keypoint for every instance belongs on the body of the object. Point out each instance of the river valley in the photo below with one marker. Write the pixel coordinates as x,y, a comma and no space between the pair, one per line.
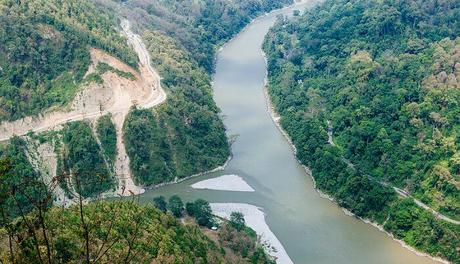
312,229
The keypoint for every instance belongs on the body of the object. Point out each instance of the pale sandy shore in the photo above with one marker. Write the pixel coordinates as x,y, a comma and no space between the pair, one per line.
255,219
224,183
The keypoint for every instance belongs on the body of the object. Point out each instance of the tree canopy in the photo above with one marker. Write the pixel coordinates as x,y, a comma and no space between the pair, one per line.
384,75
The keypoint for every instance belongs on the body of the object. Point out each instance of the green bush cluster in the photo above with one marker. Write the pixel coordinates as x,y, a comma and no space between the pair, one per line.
242,240
103,67
83,161
107,135
20,184
201,211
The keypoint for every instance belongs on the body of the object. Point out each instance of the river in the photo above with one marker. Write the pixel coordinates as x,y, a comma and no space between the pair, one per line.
312,229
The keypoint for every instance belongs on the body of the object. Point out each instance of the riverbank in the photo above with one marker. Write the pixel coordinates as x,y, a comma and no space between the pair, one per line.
142,50
275,117
177,180
296,3
255,219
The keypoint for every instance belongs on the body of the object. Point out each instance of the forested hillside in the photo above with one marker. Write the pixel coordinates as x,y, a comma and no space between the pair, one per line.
14,162
87,171
383,78
185,136
120,232
44,51
197,26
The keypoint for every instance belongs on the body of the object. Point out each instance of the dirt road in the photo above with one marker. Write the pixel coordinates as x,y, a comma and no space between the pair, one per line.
122,99
399,191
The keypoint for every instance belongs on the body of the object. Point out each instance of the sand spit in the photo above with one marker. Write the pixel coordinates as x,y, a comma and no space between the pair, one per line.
231,182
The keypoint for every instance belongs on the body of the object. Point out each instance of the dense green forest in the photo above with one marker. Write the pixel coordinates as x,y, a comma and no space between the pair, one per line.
44,51
385,75
148,149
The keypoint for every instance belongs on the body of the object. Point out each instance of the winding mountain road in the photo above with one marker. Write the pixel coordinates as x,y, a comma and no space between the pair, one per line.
144,59
55,119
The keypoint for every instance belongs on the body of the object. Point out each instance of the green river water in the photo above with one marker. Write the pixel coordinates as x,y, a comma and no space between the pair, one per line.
312,229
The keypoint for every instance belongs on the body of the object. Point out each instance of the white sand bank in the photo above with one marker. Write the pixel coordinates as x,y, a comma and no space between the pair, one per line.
224,183
255,219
